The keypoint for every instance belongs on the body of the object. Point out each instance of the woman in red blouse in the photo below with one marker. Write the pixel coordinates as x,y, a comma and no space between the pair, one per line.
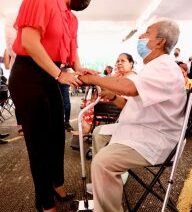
46,37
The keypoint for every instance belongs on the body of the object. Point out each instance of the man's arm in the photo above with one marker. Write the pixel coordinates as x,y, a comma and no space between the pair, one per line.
120,86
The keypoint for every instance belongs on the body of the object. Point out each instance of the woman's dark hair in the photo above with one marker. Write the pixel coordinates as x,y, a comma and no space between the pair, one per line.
179,62
129,58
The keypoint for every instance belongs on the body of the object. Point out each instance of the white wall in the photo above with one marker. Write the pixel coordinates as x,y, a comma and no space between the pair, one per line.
105,43
2,37
100,43
185,40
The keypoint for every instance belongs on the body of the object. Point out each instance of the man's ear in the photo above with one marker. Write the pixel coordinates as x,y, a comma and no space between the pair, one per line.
161,43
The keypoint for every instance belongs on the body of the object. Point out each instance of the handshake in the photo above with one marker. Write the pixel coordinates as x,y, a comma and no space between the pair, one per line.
76,79
85,75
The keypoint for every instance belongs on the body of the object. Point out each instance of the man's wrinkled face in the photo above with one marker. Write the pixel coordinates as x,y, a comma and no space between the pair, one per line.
151,34
154,42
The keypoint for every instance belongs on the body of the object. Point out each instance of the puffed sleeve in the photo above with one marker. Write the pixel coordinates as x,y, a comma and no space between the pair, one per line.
34,13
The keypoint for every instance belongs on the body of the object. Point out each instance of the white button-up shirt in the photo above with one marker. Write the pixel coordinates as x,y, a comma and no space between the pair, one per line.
151,122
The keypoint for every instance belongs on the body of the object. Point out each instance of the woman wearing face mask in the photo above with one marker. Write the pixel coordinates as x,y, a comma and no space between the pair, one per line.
46,37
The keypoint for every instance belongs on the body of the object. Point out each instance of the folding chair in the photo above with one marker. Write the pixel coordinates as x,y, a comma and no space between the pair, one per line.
189,126
6,103
105,112
171,161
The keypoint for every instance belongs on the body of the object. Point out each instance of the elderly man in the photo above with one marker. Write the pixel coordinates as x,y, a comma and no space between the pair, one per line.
151,120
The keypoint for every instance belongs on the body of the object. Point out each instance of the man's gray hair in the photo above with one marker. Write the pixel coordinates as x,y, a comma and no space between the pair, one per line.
169,30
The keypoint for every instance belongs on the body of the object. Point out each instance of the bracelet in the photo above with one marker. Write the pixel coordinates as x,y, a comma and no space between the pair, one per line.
113,99
56,78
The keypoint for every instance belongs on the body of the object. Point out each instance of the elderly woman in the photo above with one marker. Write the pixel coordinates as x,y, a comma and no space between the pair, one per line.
124,67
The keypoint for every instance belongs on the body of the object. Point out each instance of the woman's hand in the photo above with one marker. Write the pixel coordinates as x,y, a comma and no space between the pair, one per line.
70,79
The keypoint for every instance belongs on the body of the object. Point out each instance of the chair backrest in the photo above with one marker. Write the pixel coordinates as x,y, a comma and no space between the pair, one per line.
3,92
182,140
106,112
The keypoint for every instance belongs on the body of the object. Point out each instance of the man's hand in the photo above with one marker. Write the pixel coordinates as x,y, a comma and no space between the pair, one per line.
86,79
84,71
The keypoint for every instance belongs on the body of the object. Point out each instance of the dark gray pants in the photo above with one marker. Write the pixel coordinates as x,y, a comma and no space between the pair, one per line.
38,100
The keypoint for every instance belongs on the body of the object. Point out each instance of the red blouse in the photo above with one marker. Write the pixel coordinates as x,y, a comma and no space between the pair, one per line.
57,25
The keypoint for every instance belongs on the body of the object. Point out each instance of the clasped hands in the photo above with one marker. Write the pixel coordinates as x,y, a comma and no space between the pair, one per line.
87,76
77,78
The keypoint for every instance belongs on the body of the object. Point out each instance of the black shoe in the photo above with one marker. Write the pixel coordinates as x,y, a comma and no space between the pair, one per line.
68,196
89,154
39,209
20,132
4,135
3,142
38,205
68,127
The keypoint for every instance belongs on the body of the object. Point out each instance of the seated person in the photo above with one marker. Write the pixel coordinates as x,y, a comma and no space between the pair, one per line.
151,120
184,69
108,71
124,68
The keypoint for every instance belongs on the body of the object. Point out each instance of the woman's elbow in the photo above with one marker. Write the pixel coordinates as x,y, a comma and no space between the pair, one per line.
25,43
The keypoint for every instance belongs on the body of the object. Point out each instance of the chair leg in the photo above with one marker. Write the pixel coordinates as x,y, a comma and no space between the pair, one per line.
149,190
160,184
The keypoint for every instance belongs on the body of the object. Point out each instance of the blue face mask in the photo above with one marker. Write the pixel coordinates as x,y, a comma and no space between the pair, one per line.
142,48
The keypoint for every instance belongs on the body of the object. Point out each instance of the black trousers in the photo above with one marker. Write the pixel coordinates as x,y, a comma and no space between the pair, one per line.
38,100
18,119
